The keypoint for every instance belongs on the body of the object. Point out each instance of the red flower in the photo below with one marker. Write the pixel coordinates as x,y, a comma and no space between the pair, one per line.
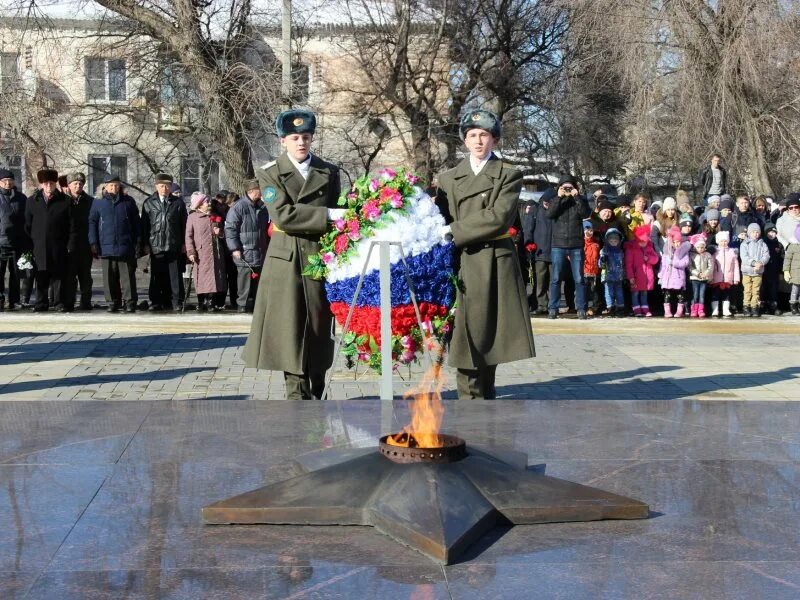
253,275
341,244
215,219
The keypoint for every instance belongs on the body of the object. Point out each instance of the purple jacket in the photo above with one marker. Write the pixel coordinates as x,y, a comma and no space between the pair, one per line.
672,274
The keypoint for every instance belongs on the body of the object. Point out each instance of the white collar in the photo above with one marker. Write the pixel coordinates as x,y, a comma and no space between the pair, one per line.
477,167
302,167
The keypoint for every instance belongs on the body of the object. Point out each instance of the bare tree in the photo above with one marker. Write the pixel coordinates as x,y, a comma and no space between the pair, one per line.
700,77
419,64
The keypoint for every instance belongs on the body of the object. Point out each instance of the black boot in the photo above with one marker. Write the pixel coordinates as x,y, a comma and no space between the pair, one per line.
747,311
795,309
773,309
756,312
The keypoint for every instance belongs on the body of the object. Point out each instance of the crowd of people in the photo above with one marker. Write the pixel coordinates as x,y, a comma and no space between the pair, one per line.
610,256
635,258
49,241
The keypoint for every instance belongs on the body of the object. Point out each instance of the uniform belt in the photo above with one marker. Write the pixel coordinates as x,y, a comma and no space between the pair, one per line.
277,229
501,237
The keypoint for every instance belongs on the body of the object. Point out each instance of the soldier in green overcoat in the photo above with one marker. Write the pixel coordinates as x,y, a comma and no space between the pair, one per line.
291,328
479,199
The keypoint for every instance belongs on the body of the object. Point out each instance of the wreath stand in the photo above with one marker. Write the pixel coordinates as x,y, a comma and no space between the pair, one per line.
386,390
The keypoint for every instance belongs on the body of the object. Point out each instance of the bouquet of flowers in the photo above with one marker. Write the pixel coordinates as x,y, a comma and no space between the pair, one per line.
391,207
25,261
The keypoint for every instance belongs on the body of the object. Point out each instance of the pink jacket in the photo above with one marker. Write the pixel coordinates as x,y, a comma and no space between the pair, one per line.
726,269
639,263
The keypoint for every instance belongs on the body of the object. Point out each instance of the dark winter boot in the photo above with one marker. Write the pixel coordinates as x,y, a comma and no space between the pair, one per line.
795,308
774,310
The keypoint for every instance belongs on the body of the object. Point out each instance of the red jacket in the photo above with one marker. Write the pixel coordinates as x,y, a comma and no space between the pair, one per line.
591,252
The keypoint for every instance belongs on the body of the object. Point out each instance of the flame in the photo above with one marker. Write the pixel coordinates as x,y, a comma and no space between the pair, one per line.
427,409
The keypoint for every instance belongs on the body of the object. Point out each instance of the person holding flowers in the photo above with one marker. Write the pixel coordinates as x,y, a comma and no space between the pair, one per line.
205,251
479,200
291,328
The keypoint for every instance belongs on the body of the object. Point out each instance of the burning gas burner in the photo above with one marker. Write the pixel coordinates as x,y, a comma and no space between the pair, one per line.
403,448
437,500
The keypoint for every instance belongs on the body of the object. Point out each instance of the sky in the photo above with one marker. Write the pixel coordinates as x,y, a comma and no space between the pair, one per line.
317,11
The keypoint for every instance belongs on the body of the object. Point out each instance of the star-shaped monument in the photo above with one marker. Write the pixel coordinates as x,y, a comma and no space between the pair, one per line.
437,508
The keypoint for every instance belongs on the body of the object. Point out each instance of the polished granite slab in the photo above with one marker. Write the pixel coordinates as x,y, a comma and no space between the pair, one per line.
102,500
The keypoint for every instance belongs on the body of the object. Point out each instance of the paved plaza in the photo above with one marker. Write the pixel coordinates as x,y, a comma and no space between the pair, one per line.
116,430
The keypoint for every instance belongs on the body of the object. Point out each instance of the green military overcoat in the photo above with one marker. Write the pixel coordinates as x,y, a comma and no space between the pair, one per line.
492,324
291,328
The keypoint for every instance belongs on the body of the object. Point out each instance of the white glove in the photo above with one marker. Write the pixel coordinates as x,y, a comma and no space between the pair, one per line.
336,213
446,233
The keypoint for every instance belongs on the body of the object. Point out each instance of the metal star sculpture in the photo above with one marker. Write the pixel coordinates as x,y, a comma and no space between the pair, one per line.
438,509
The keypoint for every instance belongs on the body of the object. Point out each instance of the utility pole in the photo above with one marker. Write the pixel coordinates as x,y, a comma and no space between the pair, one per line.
286,27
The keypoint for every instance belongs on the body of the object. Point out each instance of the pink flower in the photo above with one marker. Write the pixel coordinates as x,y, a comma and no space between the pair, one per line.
411,178
371,211
352,196
446,328
354,230
407,357
408,343
328,257
374,184
341,244
387,174
392,196
363,357
339,224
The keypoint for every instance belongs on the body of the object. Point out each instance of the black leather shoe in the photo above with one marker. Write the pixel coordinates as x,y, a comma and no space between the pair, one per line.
553,314
582,315
40,308
154,308
130,308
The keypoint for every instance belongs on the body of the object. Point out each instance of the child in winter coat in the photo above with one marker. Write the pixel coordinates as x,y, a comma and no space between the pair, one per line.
640,258
726,275
791,271
672,274
772,272
754,255
612,274
701,272
591,268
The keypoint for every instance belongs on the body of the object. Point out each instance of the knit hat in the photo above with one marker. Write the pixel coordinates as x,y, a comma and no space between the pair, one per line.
642,233
698,240
674,234
6,174
726,203
197,199
587,224
604,204
686,219
793,199
669,203
567,178
726,197
47,176
722,236
613,231
770,227
76,177
713,199
753,227
712,214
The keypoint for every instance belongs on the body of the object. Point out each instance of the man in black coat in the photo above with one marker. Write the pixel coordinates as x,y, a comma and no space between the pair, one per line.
80,255
13,239
567,212
538,231
163,232
714,178
49,223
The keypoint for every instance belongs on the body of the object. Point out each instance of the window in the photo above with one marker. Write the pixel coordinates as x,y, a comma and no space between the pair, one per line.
102,166
13,162
106,79
177,87
9,71
198,177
